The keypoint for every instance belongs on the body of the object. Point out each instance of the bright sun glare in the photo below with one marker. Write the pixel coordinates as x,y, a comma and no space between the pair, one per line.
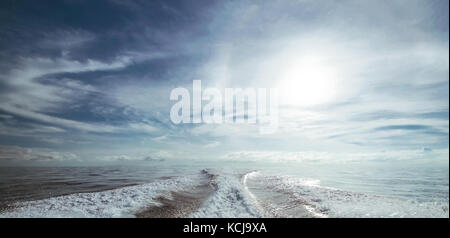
307,82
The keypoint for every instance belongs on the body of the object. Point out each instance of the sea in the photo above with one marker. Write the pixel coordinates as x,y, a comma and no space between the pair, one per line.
226,189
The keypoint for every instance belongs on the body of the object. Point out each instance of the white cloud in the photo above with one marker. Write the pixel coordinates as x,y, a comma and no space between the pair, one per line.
149,156
160,138
32,99
142,127
17,154
342,157
30,94
66,39
212,144
58,121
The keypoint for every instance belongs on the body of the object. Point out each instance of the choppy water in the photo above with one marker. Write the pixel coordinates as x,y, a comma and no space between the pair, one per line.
205,190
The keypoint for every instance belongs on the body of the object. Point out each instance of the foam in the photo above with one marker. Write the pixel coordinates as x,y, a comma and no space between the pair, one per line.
230,200
332,202
122,202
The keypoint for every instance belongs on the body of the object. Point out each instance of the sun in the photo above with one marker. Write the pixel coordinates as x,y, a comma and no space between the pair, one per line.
307,82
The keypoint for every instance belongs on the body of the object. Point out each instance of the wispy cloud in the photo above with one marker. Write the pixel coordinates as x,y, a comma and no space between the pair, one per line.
364,77
21,154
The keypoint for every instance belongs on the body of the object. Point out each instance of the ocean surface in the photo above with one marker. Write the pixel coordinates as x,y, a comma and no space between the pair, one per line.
225,190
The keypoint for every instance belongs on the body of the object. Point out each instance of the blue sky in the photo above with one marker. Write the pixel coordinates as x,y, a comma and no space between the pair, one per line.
88,82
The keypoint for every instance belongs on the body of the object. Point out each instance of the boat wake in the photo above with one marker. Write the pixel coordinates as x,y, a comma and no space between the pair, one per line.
221,193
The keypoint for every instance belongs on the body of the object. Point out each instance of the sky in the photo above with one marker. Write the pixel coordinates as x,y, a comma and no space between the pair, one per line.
88,82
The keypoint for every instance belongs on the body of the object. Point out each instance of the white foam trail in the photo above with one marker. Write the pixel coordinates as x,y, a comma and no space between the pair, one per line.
233,198
252,196
305,182
230,200
122,202
244,181
332,202
315,212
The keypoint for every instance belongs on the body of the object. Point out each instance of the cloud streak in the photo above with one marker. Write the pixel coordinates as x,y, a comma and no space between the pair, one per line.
96,85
